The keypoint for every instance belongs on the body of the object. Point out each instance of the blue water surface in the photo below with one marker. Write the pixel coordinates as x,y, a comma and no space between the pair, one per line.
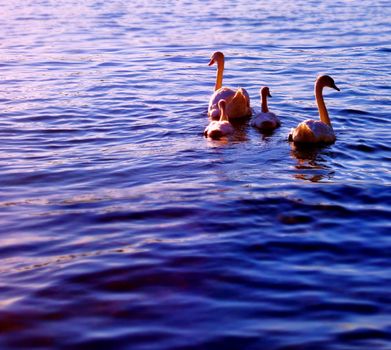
122,227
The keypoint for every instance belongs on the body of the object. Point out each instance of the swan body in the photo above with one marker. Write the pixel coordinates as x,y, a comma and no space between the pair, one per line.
312,131
265,120
238,102
222,127
316,131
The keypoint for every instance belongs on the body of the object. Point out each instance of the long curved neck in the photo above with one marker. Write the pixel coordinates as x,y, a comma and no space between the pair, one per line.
219,75
323,114
265,109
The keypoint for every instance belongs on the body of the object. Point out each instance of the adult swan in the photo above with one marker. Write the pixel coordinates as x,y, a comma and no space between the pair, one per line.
316,131
238,102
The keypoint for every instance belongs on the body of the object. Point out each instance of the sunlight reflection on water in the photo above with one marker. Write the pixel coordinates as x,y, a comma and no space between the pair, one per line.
122,226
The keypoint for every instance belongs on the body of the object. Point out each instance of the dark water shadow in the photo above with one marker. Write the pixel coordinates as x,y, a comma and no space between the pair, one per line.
241,126
311,162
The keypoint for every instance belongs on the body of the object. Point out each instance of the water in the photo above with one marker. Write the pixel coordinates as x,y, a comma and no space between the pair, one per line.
122,227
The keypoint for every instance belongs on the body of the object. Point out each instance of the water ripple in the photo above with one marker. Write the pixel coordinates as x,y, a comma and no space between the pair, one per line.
122,227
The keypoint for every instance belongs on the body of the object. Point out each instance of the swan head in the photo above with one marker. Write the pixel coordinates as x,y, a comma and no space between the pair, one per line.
326,80
222,105
265,91
216,58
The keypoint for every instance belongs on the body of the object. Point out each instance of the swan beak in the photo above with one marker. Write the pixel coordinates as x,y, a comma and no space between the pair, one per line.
336,88
211,62
269,95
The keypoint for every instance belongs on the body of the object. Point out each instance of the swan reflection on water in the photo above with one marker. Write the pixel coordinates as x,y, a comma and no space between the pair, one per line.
311,164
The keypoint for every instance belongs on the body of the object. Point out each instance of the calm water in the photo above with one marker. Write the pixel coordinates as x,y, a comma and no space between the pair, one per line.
122,227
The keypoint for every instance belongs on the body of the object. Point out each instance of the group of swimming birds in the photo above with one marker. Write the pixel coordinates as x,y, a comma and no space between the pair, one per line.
227,104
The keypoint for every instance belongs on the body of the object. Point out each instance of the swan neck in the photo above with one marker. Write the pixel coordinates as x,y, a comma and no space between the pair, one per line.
223,115
265,109
323,114
219,75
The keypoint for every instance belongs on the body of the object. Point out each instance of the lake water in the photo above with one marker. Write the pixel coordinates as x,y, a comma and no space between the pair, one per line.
122,227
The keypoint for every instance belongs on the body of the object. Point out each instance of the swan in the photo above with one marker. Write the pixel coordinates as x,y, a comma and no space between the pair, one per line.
222,127
265,120
238,102
316,131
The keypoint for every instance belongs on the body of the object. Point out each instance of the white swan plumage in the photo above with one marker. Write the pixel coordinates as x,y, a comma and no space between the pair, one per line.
237,102
222,127
316,131
265,120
